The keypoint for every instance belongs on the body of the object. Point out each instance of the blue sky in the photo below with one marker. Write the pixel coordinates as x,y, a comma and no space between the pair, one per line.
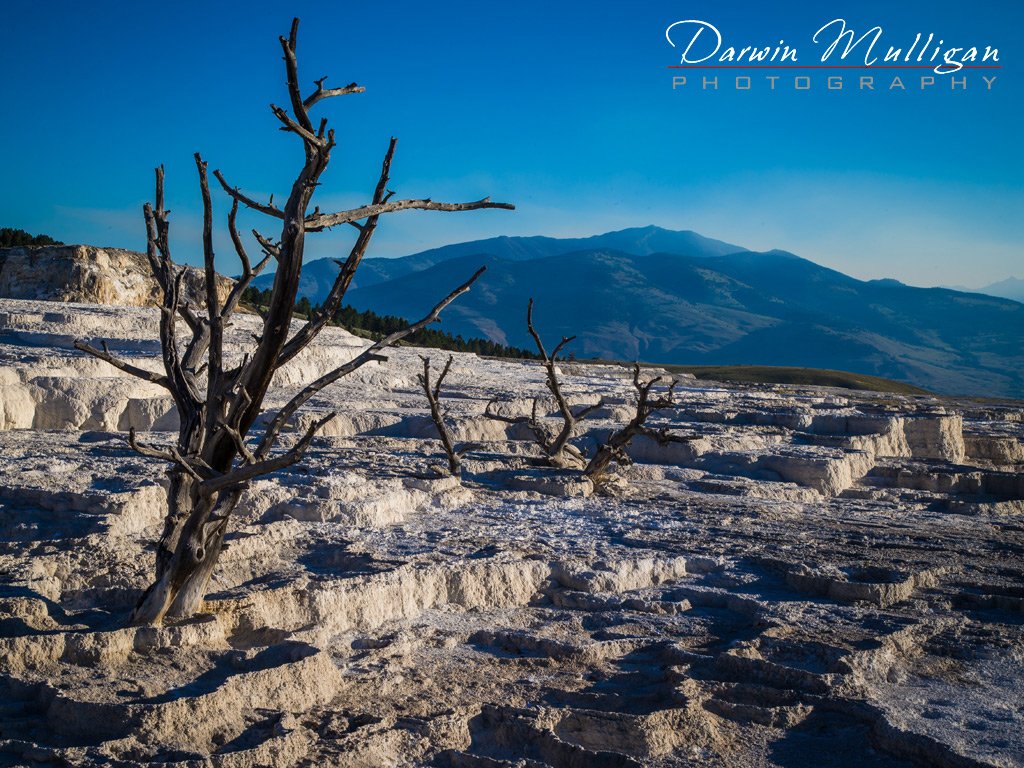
566,109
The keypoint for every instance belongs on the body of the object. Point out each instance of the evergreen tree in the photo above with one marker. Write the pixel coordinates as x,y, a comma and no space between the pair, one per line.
10,238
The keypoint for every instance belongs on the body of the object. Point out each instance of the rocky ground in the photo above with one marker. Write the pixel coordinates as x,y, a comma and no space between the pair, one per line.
819,578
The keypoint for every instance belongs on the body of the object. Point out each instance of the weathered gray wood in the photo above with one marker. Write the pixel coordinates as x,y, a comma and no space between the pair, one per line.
433,394
211,461
614,449
553,447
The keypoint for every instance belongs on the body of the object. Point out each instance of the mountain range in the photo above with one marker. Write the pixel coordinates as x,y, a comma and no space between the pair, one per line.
1010,288
677,297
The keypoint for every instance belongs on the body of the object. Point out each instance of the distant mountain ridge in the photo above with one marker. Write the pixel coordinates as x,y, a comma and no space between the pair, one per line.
1010,288
705,302
318,275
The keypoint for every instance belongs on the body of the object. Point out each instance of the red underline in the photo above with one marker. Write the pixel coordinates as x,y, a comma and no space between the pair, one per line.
830,66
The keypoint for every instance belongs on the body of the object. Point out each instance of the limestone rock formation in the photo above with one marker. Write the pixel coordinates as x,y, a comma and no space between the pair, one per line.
85,273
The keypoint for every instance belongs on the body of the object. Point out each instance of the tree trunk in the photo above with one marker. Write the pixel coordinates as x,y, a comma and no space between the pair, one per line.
608,453
186,556
454,464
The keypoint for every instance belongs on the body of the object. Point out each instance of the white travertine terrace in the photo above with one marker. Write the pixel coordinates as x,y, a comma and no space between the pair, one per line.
819,572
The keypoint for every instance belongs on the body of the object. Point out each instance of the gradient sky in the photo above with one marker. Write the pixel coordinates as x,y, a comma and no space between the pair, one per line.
564,108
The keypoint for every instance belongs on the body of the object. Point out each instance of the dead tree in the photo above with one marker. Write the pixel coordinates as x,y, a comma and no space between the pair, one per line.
614,449
556,448
218,402
434,399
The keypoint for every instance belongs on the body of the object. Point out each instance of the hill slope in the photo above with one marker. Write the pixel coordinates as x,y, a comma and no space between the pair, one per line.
743,308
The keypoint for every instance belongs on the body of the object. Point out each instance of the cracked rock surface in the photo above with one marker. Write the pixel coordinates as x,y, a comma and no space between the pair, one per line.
819,578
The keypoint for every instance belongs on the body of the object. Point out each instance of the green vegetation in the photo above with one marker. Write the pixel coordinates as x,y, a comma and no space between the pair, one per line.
373,326
765,374
10,238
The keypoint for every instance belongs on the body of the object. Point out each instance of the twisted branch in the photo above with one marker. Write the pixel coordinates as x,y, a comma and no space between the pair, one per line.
614,450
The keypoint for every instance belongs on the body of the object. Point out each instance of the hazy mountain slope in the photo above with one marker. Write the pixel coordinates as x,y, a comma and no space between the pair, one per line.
1010,288
757,308
318,275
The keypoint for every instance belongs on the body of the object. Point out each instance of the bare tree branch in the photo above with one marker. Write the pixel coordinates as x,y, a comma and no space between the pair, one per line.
540,434
555,449
332,303
321,221
327,93
433,399
215,321
290,125
105,355
181,387
440,378
269,209
288,45
366,356
614,449
561,345
248,471
586,410
171,455
325,220
209,268
236,240
236,436
269,248
248,271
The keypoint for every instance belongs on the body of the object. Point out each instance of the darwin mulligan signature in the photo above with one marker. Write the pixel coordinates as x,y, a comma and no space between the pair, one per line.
702,46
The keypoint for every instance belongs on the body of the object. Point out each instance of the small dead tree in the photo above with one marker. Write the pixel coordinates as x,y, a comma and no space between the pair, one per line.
614,449
434,399
556,448
213,461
